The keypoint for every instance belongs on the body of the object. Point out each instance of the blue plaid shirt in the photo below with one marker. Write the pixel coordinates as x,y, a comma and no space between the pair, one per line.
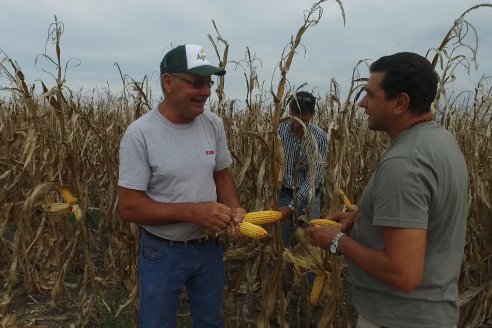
298,153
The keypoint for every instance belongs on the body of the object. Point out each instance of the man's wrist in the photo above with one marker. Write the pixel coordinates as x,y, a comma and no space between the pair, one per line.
334,246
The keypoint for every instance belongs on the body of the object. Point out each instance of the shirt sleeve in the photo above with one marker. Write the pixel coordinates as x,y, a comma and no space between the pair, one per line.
134,168
224,158
404,189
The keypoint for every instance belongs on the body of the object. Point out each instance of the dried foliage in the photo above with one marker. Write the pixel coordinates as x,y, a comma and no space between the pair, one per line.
66,254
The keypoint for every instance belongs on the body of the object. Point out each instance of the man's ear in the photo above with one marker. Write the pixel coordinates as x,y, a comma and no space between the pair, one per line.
402,103
166,82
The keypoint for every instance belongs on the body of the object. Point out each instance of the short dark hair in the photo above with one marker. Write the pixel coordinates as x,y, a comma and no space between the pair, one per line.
410,73
302,102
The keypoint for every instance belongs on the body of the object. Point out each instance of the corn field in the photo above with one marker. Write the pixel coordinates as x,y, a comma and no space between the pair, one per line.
67,260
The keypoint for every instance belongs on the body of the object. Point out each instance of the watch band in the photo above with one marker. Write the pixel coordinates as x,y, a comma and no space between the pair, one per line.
334,246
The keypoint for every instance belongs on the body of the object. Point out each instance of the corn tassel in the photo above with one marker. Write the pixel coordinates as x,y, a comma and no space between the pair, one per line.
67,195
324,222
263,217
252,230
319,281
346,202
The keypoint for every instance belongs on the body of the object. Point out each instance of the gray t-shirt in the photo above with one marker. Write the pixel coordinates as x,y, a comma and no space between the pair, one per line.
421,182
174,163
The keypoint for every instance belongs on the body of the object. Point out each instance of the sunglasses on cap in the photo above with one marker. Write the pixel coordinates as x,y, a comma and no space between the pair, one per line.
195,84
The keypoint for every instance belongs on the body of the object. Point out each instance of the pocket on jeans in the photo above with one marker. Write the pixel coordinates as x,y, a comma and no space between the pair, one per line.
153,250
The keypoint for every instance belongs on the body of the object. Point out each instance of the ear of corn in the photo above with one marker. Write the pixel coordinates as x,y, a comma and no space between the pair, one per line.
263,217
345,199
56,208
77,212
346,202
324,222
319,281
252,230
67,195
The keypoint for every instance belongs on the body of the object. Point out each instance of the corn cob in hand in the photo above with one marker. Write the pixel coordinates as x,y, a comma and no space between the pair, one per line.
252,230
325,222
346,202
263,217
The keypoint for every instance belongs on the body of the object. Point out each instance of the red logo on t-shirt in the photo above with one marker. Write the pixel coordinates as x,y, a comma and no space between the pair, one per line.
209,152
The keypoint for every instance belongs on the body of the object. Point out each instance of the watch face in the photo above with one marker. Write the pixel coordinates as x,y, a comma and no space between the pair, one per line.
333,248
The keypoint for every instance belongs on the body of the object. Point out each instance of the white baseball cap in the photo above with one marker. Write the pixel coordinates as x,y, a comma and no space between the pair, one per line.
189,58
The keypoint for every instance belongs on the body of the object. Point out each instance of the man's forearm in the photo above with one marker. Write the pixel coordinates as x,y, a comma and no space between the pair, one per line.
226,189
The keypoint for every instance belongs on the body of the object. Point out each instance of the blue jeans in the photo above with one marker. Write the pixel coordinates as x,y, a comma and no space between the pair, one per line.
164,268
286,226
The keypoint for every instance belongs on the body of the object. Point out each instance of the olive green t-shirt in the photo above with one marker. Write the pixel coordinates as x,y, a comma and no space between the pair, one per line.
421,182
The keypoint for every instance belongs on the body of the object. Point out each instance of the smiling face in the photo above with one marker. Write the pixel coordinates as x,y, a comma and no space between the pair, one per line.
186,94
378,109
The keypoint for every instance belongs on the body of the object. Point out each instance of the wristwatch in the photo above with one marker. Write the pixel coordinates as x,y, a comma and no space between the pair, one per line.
334,243
291,206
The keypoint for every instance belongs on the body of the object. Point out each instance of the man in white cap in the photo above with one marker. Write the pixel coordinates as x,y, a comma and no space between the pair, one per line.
174,181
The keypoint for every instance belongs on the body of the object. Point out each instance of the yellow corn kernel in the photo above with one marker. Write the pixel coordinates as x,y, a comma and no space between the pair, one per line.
252,230
324,222
263,217
319,281
67,195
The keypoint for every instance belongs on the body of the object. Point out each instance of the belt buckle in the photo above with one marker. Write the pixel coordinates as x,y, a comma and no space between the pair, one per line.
202,239
196,241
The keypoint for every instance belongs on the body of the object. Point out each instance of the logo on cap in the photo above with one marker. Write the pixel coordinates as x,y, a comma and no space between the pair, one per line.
201,55
189,58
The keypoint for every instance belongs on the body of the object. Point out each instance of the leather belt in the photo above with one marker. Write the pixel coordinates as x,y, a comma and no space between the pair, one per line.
177,242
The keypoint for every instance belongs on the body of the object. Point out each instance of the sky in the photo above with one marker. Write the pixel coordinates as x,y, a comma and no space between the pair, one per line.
137,34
